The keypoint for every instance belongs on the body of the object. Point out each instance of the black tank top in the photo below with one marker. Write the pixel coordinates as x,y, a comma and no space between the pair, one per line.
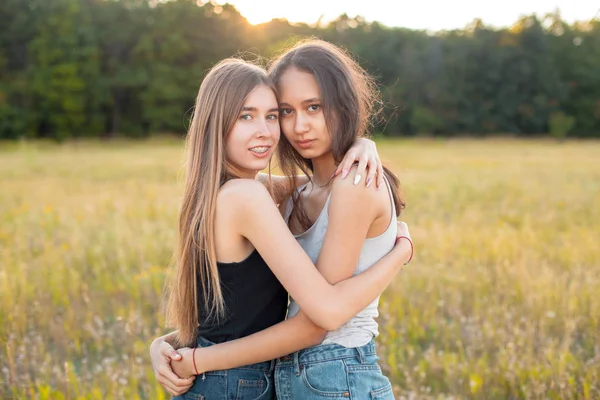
254,300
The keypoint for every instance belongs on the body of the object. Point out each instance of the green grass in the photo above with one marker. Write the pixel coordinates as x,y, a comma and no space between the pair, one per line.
501,301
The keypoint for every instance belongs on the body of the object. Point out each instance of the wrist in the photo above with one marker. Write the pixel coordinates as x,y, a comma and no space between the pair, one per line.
210,358
193,364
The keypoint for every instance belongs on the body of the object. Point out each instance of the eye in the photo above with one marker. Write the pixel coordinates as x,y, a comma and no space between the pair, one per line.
314,107
245,117
272,117
285,112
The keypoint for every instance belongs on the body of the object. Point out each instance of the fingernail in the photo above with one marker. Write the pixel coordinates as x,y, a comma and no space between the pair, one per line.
356,179
344,173
369,182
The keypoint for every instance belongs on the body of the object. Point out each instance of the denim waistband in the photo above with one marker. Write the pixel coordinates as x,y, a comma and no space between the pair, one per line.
267,366
327,352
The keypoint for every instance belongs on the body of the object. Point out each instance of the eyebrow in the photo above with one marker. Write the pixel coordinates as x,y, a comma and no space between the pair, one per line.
307,101
311,100
254,109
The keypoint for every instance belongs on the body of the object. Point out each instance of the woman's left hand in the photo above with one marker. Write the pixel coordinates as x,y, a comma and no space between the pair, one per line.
164,357
365,152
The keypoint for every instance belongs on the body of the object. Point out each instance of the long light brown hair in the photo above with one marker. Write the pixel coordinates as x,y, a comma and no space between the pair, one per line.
350,102
218,105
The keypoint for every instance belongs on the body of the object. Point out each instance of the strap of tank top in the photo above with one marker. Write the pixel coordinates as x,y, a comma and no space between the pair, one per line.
391,195
393,216
289,207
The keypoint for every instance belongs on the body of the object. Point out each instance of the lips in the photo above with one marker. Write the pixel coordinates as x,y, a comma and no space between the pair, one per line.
305,144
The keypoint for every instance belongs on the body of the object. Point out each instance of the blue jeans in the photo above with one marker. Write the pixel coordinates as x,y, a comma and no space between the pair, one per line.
251,382
332,371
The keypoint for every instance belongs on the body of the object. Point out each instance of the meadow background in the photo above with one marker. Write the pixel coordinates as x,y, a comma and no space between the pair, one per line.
501,301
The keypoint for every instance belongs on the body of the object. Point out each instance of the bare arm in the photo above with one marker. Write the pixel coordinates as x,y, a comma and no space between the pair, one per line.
336,262
327,305
299,332
286,337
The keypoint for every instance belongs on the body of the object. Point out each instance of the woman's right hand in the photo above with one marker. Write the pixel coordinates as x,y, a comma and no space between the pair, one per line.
162,354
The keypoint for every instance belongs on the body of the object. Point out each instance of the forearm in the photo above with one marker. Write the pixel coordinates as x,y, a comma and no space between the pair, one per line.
291,335
354,294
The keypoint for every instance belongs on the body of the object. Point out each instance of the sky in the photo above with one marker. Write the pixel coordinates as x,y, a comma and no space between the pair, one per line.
430,15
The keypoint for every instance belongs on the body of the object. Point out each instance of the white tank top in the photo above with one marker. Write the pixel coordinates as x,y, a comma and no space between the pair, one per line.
362,327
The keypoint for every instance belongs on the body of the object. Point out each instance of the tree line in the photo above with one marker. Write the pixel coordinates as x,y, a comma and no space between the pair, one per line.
85,68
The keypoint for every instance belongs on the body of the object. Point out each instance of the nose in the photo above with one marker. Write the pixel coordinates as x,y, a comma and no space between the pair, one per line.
301,124
262,130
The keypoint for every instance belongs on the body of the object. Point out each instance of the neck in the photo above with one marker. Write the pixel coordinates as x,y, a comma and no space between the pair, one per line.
323,168
242,173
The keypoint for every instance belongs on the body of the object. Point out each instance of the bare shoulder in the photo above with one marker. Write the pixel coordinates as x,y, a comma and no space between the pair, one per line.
244,194
242,188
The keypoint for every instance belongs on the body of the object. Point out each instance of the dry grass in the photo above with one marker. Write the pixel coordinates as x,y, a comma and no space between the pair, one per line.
502,300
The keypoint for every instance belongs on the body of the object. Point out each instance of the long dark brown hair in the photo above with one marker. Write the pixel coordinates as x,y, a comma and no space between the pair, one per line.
220,99
350,101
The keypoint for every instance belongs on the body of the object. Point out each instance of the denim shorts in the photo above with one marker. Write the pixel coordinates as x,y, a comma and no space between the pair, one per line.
332,371
251,382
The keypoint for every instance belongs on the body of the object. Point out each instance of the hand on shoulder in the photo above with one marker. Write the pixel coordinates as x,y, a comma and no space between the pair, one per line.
348,187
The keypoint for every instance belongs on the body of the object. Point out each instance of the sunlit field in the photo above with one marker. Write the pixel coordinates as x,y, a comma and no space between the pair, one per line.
501,301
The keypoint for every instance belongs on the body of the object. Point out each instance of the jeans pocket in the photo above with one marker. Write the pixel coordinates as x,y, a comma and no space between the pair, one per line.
209,386
328,378
254,386
368,378
385,393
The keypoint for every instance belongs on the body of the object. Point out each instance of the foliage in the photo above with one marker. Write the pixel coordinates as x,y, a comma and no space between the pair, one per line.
560,124
72,68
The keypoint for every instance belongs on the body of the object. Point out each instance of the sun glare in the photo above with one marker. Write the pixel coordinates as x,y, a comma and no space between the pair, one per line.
429,14
260,11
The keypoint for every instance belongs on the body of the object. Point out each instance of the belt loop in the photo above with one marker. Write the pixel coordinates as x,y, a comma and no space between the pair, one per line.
296,364
361,355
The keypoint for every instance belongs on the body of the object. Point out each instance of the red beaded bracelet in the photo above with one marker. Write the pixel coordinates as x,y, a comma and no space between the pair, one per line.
412,249
194,358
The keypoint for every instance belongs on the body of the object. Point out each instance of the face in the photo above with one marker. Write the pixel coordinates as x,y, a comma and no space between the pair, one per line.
253,139
301,114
